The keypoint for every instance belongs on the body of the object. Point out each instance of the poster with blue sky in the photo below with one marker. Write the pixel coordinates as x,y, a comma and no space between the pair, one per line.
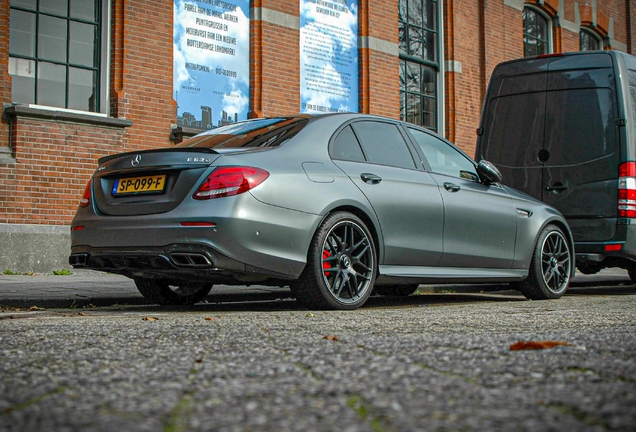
211,62
328,56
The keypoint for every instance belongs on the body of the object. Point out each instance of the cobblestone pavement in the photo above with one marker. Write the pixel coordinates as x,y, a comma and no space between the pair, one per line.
435,361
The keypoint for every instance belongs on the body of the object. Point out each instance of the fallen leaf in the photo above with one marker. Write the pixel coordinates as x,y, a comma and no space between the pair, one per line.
536,345
149,318
310,315
35,308
82,313
209,319
332,338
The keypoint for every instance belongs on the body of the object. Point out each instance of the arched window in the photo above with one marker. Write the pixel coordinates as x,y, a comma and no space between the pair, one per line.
589,41
419,61
536,33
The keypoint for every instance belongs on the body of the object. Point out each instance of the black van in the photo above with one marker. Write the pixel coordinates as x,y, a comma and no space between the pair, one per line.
562,128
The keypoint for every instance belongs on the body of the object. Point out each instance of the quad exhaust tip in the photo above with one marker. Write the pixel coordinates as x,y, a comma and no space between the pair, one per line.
78,260
182,259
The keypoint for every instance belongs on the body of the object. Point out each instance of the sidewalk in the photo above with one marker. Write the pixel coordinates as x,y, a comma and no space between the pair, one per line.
85,288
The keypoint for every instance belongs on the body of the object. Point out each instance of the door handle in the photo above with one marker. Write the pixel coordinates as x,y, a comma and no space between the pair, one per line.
370,178
451,187
557,187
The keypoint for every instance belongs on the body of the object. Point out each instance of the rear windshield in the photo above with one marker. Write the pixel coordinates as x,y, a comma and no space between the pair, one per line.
267,132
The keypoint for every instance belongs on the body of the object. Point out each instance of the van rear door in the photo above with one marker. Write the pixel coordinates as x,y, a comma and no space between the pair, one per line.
581,146
549,124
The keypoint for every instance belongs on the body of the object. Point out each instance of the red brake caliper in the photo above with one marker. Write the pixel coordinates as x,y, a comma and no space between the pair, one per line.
325,265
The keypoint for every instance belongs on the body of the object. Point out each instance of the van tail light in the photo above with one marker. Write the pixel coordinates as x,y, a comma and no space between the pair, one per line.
229,181
627,190
86,198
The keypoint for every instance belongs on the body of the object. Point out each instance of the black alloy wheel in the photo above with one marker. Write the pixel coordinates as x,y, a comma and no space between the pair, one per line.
166,293
550,269
340,270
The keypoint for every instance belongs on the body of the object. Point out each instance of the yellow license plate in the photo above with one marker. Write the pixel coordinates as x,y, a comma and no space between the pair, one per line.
155,183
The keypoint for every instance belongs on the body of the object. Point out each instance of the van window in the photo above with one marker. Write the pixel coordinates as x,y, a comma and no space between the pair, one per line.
514,129
580,125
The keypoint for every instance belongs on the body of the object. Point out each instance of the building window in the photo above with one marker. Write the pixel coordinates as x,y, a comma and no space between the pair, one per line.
536,33
588,41
419,61
55,53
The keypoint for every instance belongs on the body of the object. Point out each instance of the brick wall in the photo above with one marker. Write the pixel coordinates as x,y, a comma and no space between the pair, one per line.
141,71
481,34
281,70
379,85
630,16
478,35
54,160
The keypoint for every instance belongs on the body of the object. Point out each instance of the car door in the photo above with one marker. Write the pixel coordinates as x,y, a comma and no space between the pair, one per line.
406,200
480,221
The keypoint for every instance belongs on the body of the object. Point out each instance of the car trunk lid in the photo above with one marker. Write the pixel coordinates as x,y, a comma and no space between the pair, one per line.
148,182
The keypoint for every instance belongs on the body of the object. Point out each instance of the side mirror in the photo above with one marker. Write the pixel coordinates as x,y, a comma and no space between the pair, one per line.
488,172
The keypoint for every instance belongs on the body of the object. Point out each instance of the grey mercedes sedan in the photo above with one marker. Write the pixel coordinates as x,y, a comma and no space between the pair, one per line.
337,207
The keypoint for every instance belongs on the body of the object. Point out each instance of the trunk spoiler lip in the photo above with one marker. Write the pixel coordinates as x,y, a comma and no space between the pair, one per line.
105,159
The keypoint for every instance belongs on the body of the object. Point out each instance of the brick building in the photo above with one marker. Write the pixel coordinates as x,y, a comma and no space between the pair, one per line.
81,79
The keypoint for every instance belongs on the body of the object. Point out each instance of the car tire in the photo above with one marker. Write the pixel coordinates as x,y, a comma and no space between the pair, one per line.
396,290
550,268
341,265
164,293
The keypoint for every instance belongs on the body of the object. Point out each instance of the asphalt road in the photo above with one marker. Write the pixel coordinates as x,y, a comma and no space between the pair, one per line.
253,360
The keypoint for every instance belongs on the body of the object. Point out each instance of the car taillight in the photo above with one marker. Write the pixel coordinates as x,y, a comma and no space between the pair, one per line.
627,190
86,198
229,181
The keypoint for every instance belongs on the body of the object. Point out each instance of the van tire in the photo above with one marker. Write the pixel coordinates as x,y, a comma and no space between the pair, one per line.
632,273
550,268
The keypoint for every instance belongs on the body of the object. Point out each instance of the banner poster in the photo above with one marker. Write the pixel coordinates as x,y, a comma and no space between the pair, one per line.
211,62
328,56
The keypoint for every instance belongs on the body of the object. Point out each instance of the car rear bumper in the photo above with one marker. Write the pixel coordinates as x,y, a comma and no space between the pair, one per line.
239,236
193,262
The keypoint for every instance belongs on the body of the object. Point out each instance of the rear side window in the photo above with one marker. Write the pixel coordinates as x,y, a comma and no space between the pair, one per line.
383,144
444,158
346,147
